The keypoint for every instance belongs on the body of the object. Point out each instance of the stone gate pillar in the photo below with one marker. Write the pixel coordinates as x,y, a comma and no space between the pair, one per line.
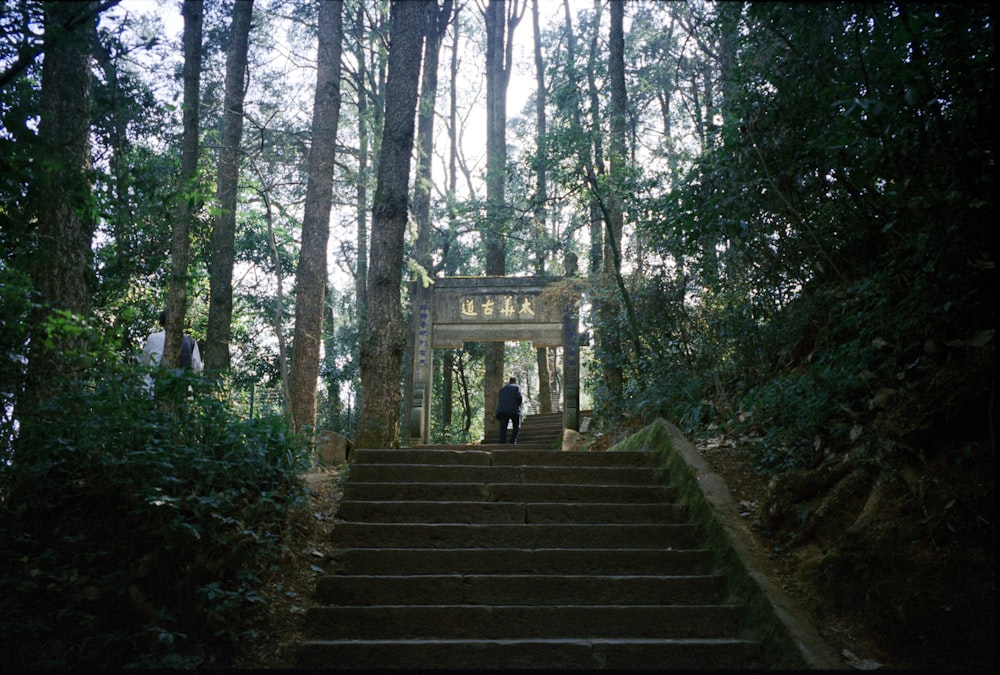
423,374
571,369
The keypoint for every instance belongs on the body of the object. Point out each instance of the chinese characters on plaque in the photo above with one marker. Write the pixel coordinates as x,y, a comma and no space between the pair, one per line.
423,345
500,307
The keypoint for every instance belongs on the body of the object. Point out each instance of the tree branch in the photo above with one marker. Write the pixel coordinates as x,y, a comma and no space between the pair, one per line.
28,56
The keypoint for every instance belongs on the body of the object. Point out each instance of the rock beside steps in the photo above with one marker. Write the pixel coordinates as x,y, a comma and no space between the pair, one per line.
480,557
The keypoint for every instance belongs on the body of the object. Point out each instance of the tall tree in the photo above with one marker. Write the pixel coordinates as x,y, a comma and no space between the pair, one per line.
501,20
215,351
62,273
310,279
438,20
61,269
541,198
362,93
180,246
384,341
437,24
594,144
618,113
448,366
578,144
613,218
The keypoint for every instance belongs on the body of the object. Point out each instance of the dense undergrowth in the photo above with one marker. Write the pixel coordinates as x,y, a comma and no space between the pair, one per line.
136,529
866,408
830,306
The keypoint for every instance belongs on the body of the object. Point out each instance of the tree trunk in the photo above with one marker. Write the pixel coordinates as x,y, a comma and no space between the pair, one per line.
215,351
595,162
449,366
613,222
61,268
500,24
619,178
466,396
361,271
582,141
310,278
63,271
189,193
447,393
279,308
541,199
618,108
437,24
383,343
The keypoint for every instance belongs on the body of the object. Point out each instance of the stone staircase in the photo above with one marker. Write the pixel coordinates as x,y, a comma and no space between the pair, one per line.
503,557
537,431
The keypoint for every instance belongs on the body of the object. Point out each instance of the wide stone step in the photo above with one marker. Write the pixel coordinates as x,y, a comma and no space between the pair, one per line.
494,622
535,422
542,439
552,654
500,455
450,473
508,512
549,427
642,561
511,589
509,557
450,535
544,427
532,424
514,492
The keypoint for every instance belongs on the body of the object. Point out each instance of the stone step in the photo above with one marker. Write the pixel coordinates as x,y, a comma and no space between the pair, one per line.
538,438
381,511
506,557
500,455
535,422
495,622
523,589
531,422
512,654
543,430
451,535
642,561
513,492
554,421
462,473
544,418
533,425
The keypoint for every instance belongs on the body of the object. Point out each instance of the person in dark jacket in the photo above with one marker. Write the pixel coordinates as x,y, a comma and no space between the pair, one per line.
509,409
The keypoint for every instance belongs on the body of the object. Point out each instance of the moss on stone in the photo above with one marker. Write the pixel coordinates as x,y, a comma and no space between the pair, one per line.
768,616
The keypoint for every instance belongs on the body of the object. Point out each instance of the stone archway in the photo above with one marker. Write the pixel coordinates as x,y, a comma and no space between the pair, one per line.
456,310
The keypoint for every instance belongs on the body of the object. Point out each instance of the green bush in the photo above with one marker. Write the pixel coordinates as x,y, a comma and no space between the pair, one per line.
136,528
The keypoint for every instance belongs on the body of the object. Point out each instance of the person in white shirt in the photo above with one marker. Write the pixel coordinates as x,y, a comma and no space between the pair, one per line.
152,353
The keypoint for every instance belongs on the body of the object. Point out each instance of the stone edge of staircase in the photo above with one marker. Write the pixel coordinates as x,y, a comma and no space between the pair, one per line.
789,640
